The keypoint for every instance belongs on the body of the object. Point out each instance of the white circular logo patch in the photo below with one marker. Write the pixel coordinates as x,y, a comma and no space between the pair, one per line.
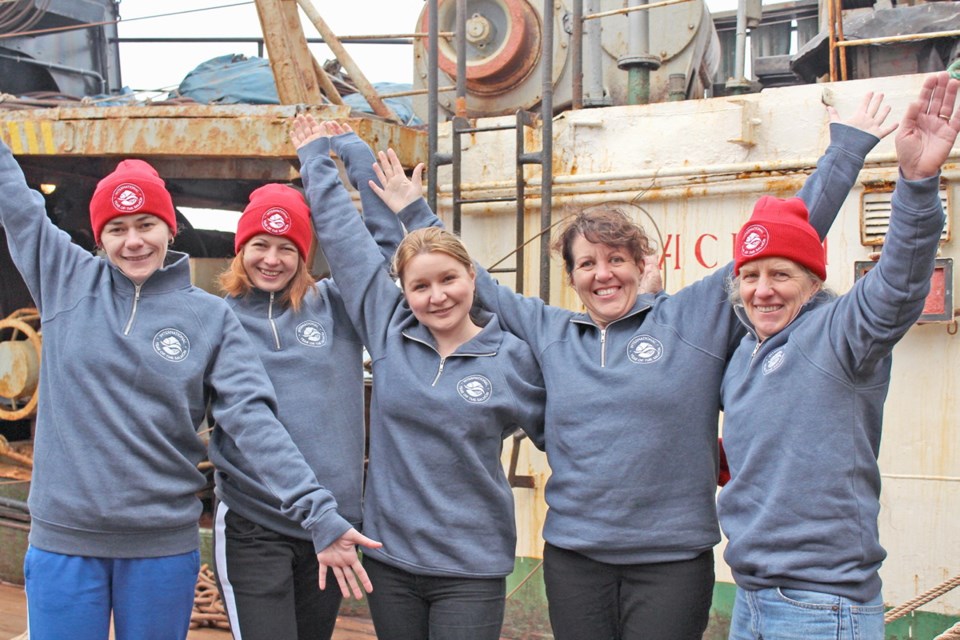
773,361
171,344
128,197
276,221
311,334
645,349
755,238
475,389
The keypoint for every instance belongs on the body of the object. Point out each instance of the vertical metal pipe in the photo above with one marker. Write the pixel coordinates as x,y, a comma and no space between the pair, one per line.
638,60
459,120
546,114
739,60
521,199
638,81
433,102
593,77
461,38
576,55
458,124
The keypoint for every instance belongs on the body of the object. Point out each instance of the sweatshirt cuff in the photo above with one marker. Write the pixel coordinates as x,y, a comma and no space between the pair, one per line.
313,149
417,215
341,143
851,139
327,529
920,194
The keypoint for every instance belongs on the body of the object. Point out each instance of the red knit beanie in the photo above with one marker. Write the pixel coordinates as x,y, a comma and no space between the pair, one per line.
133,187
780,229
280,211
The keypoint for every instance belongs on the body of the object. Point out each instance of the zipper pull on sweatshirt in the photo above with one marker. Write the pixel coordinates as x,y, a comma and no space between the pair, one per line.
133,312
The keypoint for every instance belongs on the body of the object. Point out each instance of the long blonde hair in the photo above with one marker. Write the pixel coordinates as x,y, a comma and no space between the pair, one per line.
235,282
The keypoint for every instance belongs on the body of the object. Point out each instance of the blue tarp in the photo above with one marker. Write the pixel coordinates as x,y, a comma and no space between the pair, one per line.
237,79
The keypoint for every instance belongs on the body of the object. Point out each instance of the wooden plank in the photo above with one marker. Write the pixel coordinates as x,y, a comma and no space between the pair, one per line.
290,57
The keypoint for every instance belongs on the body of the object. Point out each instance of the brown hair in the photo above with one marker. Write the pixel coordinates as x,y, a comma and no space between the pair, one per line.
430,240
235,282
606,224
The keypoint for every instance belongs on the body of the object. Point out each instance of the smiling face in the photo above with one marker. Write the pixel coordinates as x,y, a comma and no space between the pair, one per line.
270,261
136,244
605,277
439,290
773,291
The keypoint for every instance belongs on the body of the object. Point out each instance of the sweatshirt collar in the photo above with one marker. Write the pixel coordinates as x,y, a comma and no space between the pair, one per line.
486,342
643,302
173,275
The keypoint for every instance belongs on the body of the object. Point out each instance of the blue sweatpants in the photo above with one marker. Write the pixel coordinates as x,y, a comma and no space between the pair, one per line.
73,596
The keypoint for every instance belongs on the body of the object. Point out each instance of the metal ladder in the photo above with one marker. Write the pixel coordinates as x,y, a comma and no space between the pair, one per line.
461,125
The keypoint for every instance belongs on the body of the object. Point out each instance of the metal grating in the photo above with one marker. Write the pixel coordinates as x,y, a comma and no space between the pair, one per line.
875,216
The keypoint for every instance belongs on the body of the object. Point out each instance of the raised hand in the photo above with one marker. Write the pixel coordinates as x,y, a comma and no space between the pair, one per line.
342,557
869,116
929,128
651,281
398,190
306,129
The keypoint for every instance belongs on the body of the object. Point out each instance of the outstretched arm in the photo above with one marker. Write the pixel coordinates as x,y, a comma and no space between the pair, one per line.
884,305
850,141
368,292
358,160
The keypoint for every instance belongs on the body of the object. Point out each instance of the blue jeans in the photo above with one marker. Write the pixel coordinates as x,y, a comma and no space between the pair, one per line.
73,596
406,606
791,614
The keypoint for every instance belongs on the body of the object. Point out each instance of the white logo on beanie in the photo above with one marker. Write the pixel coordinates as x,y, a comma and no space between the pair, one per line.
311,334
171,345
774,361
276,221
755,239
475,389
127,197
644,349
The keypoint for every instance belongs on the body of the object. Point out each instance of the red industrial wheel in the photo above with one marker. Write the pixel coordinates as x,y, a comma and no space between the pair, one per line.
503,43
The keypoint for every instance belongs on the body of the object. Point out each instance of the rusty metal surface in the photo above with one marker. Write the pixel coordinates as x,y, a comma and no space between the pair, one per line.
187,133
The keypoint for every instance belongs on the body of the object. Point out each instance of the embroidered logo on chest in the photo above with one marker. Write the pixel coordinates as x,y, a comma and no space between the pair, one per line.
311,334
644,349
127,197
171,345
774,361
475,389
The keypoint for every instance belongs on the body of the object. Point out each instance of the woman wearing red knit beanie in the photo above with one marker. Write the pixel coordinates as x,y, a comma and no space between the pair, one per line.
265,562
134,358
803,398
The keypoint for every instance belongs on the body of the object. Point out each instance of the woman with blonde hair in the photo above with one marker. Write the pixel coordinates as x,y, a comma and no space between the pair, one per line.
448,386
633,402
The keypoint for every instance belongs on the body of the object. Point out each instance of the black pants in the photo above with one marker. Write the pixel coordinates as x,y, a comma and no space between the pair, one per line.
270,582
406,606
592,600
